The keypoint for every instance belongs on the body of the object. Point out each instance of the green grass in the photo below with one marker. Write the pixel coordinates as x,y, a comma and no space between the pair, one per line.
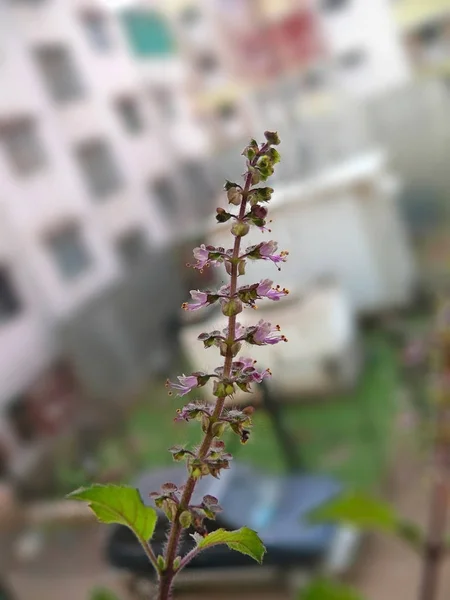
349,435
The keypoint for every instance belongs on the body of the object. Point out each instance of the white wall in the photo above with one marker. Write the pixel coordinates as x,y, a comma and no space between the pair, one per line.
367,25
31,206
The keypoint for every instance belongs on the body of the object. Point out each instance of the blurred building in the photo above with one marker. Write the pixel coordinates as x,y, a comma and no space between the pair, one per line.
86,187
302,67
425,31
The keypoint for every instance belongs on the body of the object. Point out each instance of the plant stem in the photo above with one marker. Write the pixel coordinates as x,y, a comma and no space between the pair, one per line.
434,550
167,576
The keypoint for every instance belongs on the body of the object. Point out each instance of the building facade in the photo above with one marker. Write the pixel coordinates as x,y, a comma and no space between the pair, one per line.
86,182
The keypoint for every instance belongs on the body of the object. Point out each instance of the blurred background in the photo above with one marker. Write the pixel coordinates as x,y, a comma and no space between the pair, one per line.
119,121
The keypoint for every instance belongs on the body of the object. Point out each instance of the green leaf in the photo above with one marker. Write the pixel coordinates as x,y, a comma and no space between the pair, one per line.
102,594
358,509
370,514
324,589
119,504
244,540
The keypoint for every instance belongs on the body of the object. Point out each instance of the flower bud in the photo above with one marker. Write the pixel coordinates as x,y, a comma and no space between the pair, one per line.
272,137
170,510
234,196
256,177
235,348
161,563
218,428
241,267
219,389
260,212
185,519
232,307
222,216
205,423
223,347
229,389
240,228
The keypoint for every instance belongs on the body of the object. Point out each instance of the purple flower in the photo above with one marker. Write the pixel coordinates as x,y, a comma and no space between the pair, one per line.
245,363
201,254
224,291
207,256
277,293
239,331
200,300
265,290
267,252
186,384
265,333
264,287
258,376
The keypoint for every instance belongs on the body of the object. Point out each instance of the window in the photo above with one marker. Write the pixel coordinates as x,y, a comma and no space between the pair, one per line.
166,195
314,79
130,115
132,247
22,146
190,16
68,251
227,111
208,63
99,168
10,305
60,73
98,32
200,193
165,102
352,59
333,5
430,33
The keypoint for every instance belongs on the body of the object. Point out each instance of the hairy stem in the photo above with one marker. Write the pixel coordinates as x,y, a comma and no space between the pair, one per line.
167,576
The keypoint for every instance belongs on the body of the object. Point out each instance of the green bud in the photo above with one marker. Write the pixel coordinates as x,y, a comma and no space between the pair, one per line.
241,267
177,562
263,162
196,472
251,150
218,428
256,177
234,196
272,137
170,510
219,389
240,229
161,563
274,156
232,307
185,519
205,423
229,389
263,194
235,348
229,184
222,215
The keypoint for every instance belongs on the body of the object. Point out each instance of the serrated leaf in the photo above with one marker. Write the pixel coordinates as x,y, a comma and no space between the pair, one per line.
324,589
244,540
119,504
